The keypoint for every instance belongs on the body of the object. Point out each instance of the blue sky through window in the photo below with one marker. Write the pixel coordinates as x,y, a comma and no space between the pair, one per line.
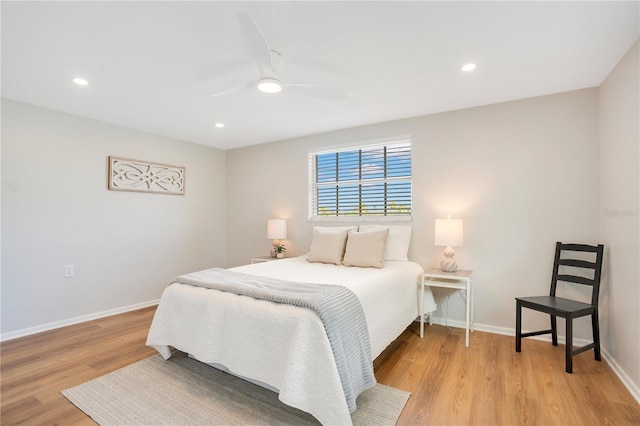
364,181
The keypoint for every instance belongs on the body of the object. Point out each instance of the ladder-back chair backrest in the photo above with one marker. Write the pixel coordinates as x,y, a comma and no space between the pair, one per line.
595,266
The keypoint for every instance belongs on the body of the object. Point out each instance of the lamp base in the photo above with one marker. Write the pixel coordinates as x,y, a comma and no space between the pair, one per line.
448,264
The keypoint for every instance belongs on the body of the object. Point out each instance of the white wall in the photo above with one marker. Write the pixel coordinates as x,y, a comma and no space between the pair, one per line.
125,246
521,174
620,214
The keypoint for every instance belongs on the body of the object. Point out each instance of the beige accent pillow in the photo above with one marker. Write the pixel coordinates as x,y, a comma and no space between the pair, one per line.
366,249
327,247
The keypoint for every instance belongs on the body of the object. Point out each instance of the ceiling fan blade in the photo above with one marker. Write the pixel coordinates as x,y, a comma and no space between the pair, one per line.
256,42
322,92
233,89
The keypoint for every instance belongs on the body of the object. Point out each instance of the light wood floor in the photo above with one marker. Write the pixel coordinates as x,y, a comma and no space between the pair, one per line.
485,384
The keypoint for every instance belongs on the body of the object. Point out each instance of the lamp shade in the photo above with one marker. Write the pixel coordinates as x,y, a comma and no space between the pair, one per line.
448,232
276,229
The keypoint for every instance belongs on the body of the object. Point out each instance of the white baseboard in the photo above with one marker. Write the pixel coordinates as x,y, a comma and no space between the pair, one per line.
506,331
76,320
633,388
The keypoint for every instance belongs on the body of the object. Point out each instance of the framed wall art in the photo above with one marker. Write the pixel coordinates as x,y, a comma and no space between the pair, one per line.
141,176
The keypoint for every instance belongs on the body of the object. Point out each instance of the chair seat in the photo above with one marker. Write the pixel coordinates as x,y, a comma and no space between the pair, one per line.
557,305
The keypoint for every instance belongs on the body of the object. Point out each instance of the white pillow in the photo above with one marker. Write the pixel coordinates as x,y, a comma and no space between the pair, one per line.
397,241
327,247
334,228
365,249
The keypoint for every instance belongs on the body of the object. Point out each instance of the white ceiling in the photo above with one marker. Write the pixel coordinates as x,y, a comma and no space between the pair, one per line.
152,65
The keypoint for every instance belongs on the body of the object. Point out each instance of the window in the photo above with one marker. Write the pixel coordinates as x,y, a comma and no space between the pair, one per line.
371,180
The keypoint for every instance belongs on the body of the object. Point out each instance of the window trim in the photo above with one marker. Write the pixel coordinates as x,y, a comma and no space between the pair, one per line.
311,184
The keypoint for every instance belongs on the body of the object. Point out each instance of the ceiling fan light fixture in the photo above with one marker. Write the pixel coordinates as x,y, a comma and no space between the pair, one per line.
269,85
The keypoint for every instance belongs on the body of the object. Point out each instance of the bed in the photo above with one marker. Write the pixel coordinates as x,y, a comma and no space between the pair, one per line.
283,347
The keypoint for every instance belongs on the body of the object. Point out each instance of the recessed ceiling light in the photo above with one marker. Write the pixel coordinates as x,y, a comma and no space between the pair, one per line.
269,85
80,81
468,67
219,125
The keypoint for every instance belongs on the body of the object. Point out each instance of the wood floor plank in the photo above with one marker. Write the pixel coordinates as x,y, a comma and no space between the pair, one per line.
487,383
36,368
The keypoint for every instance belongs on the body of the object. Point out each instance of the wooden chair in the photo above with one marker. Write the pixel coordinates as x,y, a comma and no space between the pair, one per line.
567,308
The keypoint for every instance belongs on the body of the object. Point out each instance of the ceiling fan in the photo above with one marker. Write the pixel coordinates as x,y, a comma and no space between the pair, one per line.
268,62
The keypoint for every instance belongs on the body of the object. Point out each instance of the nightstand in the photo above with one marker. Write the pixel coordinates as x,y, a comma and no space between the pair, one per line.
459,280
261,259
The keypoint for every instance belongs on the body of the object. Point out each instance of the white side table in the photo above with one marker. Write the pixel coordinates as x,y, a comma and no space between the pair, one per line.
459,280
261,259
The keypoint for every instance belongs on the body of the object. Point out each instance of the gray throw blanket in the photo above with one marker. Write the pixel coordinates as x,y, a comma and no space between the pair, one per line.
337,306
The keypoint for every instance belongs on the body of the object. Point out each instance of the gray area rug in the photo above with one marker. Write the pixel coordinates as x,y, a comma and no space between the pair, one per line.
183,391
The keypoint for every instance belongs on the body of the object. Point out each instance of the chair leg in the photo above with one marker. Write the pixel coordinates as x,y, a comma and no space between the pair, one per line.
596,334
518,326
554,330
569,345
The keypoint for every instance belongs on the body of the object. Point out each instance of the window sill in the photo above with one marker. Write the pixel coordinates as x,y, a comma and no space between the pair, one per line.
359,219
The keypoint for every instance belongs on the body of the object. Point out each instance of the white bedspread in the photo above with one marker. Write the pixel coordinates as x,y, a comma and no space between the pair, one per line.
285,346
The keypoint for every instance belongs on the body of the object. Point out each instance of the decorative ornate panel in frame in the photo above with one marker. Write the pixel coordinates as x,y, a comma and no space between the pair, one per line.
140,176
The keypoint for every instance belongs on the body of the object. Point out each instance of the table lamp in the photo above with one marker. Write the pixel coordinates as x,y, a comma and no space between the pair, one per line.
276,230
448,234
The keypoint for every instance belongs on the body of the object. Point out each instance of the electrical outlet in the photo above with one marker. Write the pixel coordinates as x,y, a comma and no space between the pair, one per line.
68,271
